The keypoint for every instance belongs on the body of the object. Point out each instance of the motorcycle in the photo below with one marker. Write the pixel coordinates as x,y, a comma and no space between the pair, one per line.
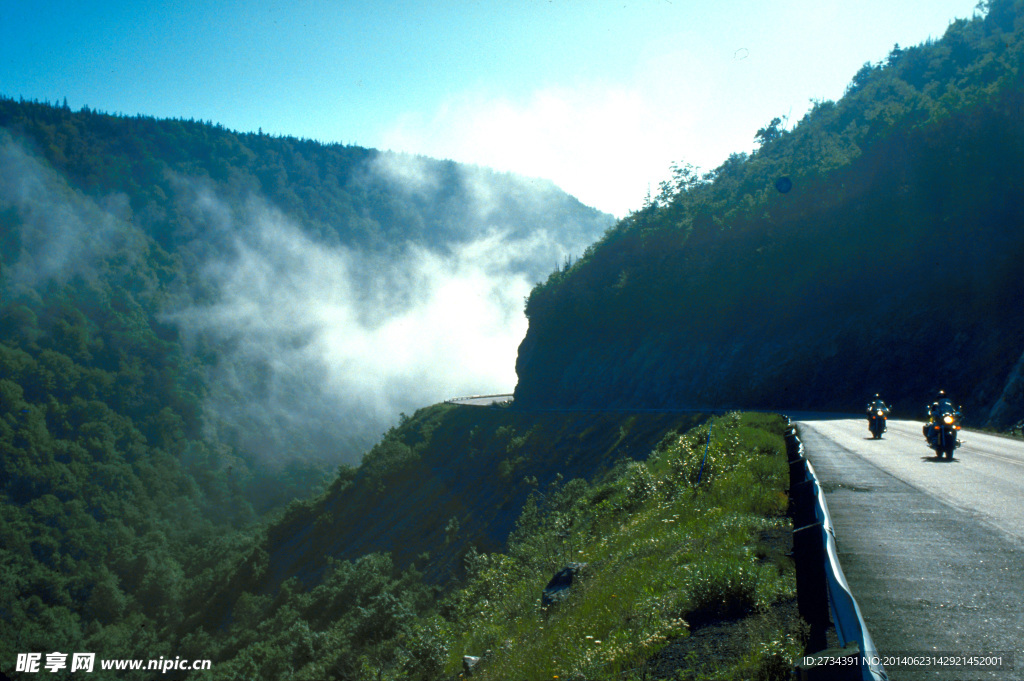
877,423
942,433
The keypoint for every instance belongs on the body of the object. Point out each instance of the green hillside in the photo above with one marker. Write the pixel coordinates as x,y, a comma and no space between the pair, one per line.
891,265
682,534
140,449
234,248
338,192
451,478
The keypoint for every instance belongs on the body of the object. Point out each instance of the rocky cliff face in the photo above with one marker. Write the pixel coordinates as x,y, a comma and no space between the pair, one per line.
900,274
812,368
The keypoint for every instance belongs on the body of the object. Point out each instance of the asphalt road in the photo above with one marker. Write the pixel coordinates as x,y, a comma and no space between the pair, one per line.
933,550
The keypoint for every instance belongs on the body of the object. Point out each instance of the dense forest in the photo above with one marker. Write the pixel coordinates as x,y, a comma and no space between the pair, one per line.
142,443
148,509
255,250
875,246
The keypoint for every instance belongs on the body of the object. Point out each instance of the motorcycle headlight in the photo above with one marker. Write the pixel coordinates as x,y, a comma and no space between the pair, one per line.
879,412
947,419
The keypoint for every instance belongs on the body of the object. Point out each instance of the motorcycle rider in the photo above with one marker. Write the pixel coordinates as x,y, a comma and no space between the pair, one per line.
877,404
874,406
941,405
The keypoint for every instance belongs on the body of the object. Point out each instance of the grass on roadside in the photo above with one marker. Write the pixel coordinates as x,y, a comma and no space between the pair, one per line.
669,543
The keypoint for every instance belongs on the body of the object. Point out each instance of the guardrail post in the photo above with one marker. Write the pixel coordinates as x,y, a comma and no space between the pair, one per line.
802,503
797,471
811,584
792,443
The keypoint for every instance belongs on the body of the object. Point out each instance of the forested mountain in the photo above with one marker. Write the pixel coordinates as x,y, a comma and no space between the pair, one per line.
283,266
184,316
181,309
874,247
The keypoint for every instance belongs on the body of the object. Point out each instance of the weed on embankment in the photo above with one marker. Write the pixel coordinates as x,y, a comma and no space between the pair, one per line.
670,544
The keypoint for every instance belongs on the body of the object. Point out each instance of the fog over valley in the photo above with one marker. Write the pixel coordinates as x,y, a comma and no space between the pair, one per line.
335,342
313,338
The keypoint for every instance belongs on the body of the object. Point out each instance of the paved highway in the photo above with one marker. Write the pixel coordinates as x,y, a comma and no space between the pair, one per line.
933,550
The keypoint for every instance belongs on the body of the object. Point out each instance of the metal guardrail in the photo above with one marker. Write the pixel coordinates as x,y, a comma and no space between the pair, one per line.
820,577
456,400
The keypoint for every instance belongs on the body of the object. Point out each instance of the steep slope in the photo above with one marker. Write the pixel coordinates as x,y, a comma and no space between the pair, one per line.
364,562
690,538
450,478
888,260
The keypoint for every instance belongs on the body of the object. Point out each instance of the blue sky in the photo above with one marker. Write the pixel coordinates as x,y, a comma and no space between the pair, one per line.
598,96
